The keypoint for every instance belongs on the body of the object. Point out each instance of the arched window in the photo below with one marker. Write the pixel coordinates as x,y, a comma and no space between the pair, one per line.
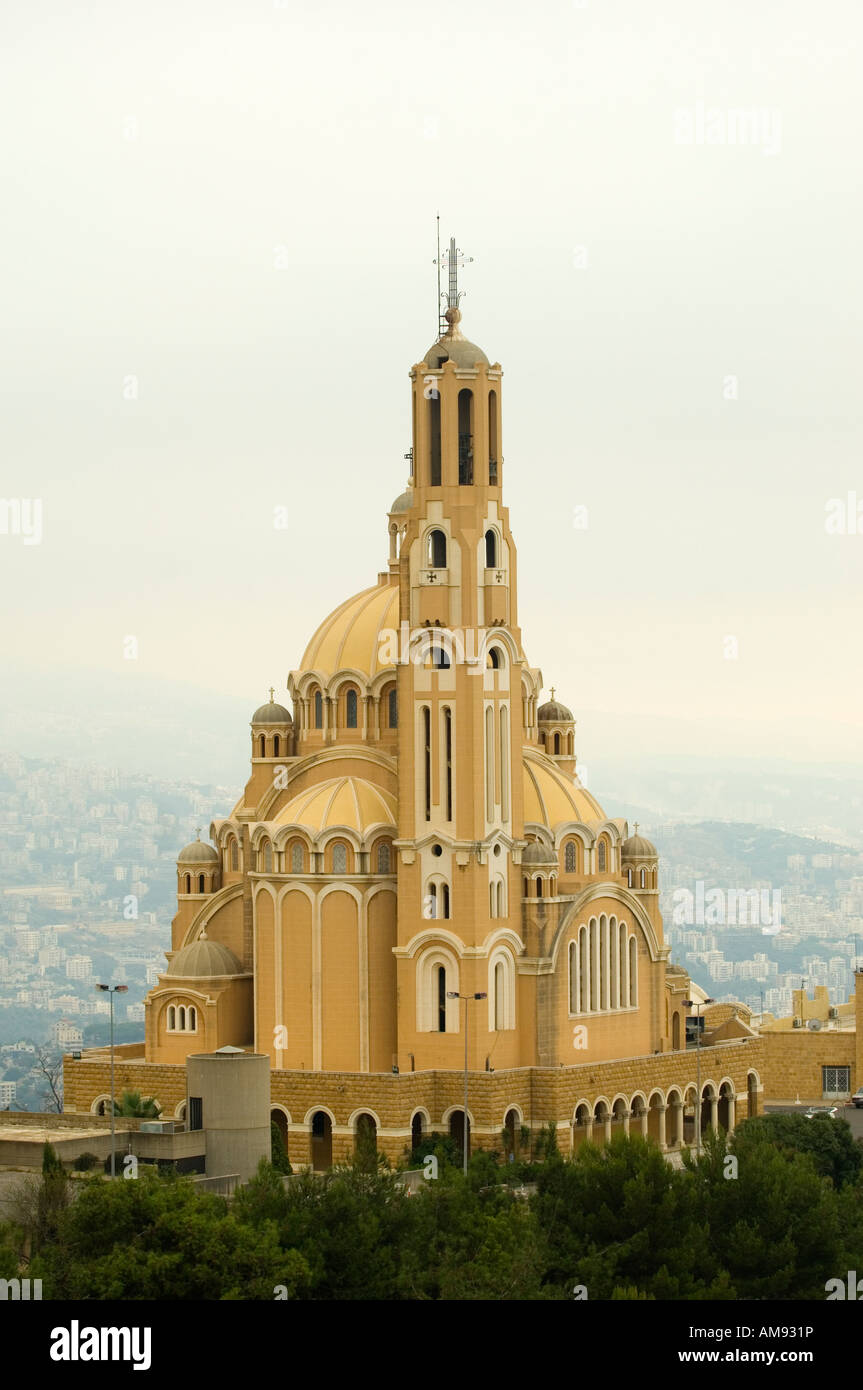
275,745
633,971
445,900
235,855
526,887
489,763
193,1020
200,883
430,904
437,550
622,963
187,884
426,726
319,710
629,878
340,859
539,887
172,1018
504,763
492,439
490,550
584,969
465,436
393,708
642,878
296,857
501,905
351,709
573,977
501,991
441,999
181,1019
447,753
383,859
268,858
600,857
495,659
594,964
557,743
434,439
569,857
603,962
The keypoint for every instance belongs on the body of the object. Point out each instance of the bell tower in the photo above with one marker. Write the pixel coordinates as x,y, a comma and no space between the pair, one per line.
461,698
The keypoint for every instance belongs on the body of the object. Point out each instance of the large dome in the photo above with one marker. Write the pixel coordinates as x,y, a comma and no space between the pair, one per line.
342,801
551,798
203,959
351,636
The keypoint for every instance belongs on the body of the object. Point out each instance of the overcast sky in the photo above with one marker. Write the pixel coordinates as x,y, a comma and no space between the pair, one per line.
218,242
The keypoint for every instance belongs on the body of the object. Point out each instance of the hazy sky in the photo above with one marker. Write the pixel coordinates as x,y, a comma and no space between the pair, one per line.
218,242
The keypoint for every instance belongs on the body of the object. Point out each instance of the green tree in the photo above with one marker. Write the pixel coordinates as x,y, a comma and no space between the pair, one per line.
160,1237
832,1147
132,1105
277,1147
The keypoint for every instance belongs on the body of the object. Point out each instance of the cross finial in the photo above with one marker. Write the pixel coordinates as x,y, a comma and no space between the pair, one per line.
636,827
552,692
198,831
450,260
272,693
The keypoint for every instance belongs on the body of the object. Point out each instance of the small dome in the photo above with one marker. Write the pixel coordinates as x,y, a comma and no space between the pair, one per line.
403,502
198,853
454,346
537,853
638,847
553,712
271,714
204,958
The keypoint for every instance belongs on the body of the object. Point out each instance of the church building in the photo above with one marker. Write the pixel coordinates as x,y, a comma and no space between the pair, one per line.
415,879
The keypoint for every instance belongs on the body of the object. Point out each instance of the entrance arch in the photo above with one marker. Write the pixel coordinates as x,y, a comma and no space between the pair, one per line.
322,1141
457,1129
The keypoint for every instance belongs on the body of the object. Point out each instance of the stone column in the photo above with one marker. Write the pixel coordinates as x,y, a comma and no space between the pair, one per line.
606,1125
732,1113
643,1116
714,1113
626,1116
662,1109
677,1125
588,1131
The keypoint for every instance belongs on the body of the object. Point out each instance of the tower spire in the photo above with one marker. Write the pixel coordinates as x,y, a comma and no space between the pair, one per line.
451,259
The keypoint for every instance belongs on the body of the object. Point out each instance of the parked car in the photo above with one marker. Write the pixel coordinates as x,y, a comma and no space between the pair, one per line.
857,1098
831,1110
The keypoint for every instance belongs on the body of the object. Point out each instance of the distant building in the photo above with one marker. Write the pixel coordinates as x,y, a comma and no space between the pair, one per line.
66,1034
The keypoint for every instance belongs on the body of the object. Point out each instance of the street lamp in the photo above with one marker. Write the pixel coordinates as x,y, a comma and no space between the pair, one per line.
698,1004
111,990
454,994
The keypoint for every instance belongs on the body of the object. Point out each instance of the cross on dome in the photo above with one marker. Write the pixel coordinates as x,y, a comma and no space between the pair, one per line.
272,693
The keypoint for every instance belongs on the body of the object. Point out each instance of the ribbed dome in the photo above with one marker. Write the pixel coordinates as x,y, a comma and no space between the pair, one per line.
198,853
271,714
341,801
204,958
350,636
537,853
551,797
553,712
638,847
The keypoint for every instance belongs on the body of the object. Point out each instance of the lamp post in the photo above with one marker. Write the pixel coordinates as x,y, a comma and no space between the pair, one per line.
111,990
454,994
698,1004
